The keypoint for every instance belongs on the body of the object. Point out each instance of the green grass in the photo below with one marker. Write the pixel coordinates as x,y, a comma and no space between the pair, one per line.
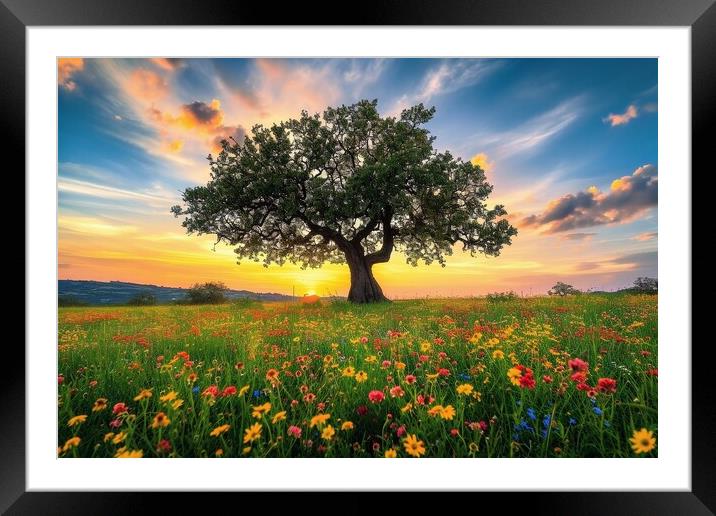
114,353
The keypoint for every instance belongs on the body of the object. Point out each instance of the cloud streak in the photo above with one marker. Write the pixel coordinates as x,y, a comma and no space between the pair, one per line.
624,118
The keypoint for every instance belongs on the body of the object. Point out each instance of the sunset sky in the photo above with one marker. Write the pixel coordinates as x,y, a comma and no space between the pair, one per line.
570,146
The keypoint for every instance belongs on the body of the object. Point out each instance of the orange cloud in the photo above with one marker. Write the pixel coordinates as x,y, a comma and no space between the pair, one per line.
624,118
481,160
146,85
66,68
165,64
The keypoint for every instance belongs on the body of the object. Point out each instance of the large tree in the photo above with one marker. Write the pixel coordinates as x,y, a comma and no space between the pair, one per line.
349,187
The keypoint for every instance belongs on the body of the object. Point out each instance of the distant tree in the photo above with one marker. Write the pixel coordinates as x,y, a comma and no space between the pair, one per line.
348,186
211,293
646,285
563,289
144,298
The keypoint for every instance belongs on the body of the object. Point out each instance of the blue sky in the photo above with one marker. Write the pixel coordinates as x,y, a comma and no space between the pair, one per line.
569,144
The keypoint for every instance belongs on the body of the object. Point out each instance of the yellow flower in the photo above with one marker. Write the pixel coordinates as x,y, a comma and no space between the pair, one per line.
260,410
252,433
435,411
243,390
425,346
447,412
219,452
432,376
76,420
123,453
349,371
498,354
643,441
407,408
514,375
280,416
361,376
371,359
161,420
348,425
400,366
319,420
413,446
177,404
493,342
473,447
121,436
465,389
477,394
108,436
170,396
390,453
246,450
216,432
99,405
328,433
71,443
144,393
475,338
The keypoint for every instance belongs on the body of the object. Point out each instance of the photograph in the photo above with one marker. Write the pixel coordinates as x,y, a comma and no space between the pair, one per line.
292,257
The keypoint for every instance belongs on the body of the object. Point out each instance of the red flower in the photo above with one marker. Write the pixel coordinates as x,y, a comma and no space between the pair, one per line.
410,379
362,410
547,379
424,358
581,386
483,426
119,408
228,391
60,379
400,432
211,390
652,372
376,396
579,377
454,432
608,385
164,446
527,381
443,372
577,364
439,341
385,364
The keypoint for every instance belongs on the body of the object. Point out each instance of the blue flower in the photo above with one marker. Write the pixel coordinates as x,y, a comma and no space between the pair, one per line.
464,376
547,421
257,393
531,414
544,434
597,410
572,421
195,390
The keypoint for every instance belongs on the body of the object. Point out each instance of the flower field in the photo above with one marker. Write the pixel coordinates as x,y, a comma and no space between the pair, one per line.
539,377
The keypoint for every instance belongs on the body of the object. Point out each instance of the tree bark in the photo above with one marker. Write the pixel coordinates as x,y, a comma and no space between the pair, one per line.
364,287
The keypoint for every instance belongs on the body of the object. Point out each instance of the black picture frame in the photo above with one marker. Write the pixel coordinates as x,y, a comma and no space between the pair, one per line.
700,15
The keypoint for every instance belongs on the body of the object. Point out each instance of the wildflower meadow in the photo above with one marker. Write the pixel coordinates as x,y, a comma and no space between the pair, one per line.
572,376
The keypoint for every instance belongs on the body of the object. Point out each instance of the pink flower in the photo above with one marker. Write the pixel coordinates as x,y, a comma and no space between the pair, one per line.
443,372
400,432
385,364
424,358
363,340
376,396
483,426
397,392
294,431
115,423
439,341
60,379
410,379
119,408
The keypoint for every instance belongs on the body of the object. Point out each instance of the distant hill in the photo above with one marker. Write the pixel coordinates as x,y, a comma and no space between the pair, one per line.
118,292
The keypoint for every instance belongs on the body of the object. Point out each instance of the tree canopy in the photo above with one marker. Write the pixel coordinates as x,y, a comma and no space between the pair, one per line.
348,186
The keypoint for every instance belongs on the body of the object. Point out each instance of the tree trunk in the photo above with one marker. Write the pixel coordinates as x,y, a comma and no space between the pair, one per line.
364,287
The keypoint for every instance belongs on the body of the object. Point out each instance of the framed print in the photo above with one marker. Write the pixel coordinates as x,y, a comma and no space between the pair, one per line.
259,261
